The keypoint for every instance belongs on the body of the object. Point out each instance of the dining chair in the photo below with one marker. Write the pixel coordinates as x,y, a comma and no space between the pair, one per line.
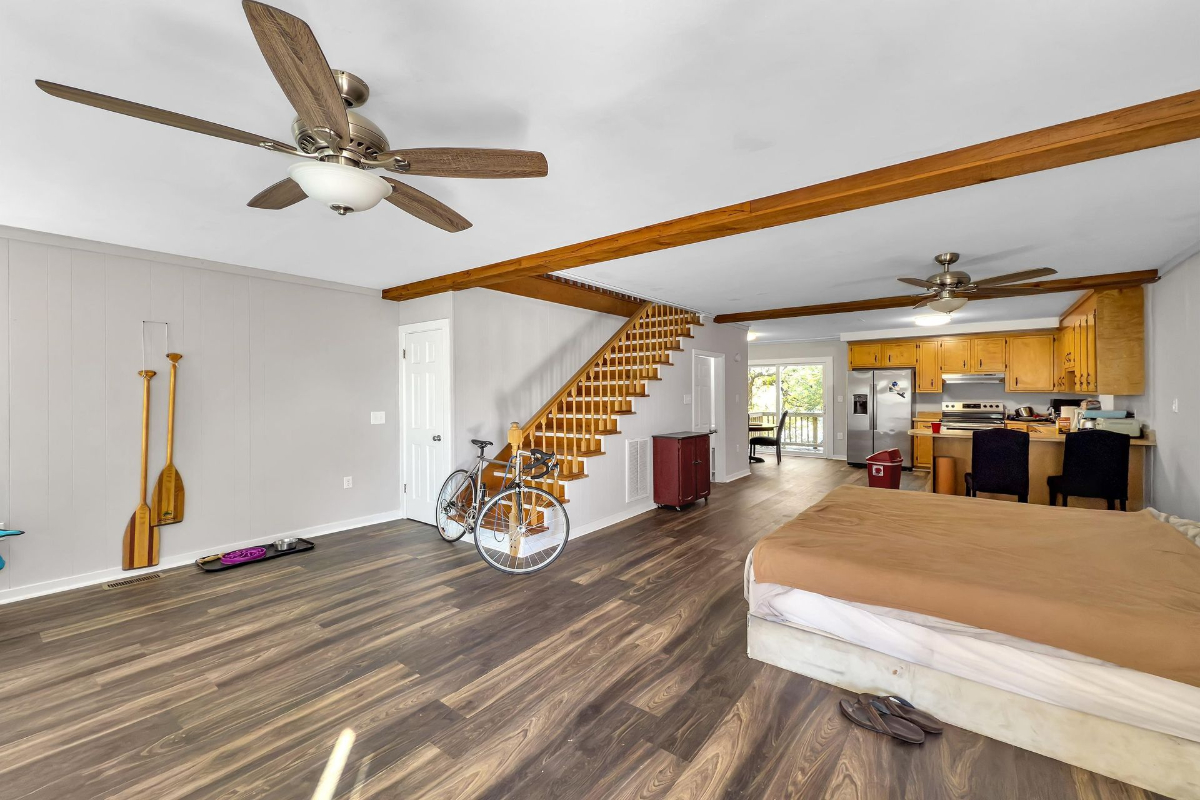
775,441
1095,464
999,463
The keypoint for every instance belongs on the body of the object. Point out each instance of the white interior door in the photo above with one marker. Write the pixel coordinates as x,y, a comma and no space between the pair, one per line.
426,419
703,407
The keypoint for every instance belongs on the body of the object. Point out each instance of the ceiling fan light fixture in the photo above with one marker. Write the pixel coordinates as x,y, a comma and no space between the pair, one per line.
947,305
931,320
339,186
751,336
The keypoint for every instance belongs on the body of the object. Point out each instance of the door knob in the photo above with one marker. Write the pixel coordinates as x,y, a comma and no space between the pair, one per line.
437,437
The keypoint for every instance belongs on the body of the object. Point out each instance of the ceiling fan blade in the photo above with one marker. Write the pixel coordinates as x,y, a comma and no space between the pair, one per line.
299,66
425,208
469,162
152,114
279,195
925,301
1014,277
1003,291
918,282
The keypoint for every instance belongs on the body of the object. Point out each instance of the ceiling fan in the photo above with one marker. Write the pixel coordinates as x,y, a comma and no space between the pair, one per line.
339,145
949,290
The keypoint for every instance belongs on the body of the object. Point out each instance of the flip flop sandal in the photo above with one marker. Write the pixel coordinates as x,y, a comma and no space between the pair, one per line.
867,716
898,706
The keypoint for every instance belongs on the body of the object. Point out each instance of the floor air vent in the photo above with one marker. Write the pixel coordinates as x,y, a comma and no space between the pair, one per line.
153,576
637,469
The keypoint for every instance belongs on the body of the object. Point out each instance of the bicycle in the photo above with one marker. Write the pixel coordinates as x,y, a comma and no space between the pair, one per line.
519,530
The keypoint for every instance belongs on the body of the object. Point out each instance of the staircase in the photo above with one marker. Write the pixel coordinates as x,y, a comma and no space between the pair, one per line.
574,422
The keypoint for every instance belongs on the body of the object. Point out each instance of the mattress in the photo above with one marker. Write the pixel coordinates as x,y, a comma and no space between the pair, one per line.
1035,670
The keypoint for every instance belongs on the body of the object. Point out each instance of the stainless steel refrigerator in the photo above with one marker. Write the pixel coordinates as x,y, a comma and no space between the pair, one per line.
879,414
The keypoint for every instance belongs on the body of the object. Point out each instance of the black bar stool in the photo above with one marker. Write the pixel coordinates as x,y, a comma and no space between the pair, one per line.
999,463
1095,464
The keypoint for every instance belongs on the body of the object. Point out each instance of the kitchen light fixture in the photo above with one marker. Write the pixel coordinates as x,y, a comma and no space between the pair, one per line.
931,320
947,303
343,188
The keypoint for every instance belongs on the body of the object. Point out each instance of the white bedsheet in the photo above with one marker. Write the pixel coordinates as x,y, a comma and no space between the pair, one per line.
1017,665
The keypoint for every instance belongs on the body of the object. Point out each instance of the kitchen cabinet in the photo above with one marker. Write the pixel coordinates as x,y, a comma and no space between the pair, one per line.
922,446
955,355
987,355
898,354
1060,361
929,370
864,356
1091,382
681,469
1030,363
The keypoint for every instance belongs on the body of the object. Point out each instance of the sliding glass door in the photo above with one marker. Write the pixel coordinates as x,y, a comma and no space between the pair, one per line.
801,388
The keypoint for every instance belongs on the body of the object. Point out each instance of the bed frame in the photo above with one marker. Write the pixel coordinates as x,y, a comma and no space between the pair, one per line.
1149,759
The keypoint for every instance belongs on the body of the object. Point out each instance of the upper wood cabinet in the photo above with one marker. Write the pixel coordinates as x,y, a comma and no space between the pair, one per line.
987,355
898,354
956,355
929,372
1104,343
1030,363
864,356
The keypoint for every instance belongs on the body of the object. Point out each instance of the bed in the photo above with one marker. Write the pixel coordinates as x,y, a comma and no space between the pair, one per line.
1070,632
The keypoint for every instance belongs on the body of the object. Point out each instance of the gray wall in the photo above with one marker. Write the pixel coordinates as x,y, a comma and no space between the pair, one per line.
819,349
275,391
1174,364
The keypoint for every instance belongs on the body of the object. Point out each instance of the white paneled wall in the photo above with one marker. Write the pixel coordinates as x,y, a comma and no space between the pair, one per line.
274,398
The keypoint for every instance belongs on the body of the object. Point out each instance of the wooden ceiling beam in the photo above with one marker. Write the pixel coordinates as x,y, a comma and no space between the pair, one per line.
1126,130
570,293
1116,280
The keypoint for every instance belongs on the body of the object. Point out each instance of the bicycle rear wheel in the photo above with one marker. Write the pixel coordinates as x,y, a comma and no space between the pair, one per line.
455,511
521,530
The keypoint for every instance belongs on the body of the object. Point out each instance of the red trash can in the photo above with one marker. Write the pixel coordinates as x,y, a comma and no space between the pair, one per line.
883,469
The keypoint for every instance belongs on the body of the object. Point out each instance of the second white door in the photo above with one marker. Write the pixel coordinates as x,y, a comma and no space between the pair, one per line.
426,388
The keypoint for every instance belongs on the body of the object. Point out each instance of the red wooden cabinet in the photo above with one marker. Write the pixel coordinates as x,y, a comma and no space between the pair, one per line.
681,468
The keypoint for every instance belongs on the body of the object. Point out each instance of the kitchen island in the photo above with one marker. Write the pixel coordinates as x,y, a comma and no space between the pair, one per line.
1045,459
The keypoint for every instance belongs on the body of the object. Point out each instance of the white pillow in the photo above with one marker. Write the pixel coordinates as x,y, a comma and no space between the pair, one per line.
1187,527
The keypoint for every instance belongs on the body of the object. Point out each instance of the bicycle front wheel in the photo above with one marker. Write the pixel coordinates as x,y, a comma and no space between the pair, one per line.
455,512
521,530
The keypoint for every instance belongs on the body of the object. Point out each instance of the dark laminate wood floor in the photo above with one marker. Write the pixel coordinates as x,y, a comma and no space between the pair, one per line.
621,672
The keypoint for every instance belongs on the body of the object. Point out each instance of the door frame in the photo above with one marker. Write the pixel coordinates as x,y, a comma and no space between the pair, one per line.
718,439
420,327
827,363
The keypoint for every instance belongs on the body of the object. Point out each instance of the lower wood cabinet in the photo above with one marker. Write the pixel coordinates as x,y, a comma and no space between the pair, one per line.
923,446
681,468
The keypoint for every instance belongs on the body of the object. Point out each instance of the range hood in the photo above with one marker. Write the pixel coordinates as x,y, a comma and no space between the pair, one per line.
973,377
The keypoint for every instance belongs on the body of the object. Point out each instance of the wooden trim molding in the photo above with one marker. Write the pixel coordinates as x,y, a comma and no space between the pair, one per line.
553,289
1126,130
1116,280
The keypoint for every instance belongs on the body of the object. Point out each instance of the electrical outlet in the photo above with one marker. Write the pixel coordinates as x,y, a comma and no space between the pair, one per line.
1175,405
347,482
839,398
377,417
687,399
839,435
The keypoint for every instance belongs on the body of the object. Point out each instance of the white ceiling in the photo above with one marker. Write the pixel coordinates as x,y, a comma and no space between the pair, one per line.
645,111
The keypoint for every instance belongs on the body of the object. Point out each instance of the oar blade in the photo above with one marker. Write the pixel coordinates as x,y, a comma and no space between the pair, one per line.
138,549
166,503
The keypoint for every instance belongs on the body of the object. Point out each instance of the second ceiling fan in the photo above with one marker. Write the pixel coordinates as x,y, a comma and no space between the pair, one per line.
339,145
949,290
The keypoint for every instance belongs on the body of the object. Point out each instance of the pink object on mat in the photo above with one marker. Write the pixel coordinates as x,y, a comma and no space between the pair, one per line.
241,556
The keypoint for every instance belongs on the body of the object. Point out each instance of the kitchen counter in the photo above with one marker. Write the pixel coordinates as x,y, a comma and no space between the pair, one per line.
1147,439
1044,460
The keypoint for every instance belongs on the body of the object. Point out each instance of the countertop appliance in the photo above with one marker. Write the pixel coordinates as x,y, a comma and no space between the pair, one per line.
879,414
973,415
1129,426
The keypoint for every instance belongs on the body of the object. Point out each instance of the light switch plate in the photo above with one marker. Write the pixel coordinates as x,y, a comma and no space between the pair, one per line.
377,417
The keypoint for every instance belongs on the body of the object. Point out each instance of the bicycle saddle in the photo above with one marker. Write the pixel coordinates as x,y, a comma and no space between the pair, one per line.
480,443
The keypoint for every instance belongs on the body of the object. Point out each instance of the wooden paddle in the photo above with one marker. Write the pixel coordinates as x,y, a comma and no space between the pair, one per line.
166,504
139,548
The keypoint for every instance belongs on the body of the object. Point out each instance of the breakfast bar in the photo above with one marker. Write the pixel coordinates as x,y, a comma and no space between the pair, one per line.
1045,459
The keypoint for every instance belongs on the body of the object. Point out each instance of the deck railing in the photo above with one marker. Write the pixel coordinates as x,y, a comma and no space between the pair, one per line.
801,430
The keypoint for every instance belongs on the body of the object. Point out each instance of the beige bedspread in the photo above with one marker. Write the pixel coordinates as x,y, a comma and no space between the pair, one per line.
1121,587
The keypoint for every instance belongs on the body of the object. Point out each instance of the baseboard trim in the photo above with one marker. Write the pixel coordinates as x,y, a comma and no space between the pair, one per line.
612,519
736,476
183,559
